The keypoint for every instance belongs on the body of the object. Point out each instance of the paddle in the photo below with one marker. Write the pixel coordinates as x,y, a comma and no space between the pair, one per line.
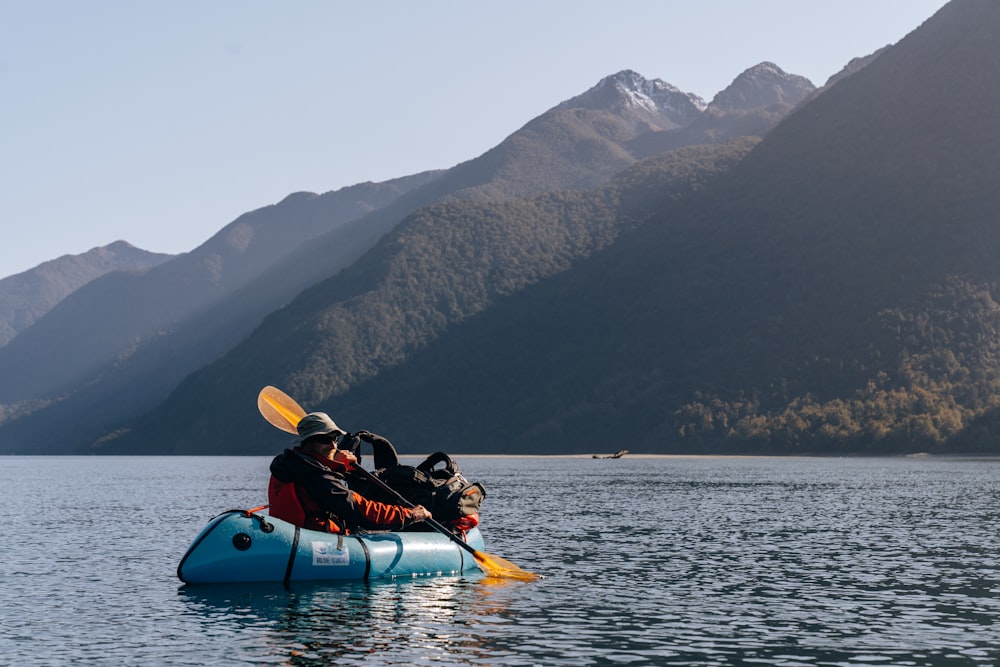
281,411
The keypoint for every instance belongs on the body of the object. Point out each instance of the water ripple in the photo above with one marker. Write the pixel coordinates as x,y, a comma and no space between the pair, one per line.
646,562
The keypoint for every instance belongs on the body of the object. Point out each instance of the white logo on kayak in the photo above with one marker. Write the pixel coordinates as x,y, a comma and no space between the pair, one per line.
325,553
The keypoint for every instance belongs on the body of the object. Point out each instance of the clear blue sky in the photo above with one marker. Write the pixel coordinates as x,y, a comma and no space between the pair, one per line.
159,122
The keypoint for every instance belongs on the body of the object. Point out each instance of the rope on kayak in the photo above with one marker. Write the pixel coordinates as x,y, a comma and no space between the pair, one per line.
264,525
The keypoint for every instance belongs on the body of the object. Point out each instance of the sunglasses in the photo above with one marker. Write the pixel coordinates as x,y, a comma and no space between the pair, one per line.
327,439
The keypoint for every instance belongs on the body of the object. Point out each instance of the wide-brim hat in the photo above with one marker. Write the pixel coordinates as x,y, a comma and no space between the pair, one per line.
316,423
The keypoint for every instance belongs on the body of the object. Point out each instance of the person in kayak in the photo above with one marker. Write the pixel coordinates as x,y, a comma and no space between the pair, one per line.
308,486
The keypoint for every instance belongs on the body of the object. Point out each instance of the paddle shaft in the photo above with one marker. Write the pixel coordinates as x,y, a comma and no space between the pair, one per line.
403,501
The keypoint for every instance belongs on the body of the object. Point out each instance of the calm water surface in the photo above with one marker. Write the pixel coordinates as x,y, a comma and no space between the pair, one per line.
647,561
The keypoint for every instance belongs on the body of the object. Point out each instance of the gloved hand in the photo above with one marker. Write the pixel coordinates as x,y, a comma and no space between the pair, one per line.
385,453
350,445
350,442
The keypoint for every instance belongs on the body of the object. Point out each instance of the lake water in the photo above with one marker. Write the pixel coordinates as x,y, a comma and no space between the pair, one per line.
647,561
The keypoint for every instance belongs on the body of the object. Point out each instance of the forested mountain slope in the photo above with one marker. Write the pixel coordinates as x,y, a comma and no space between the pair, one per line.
833,292
576,144
26,296
836,292
442,266
123,323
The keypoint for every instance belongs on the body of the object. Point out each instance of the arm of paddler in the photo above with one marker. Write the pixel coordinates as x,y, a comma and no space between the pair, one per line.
384,515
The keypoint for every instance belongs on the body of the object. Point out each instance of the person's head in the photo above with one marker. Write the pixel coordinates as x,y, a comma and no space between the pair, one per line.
318,433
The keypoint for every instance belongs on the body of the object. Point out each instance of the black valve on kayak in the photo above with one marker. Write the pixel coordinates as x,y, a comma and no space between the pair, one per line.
265,526
242,541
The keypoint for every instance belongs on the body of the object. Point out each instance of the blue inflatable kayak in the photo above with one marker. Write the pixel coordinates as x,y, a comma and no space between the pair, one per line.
238,546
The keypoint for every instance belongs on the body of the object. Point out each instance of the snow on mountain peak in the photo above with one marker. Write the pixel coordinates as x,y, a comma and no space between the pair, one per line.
630,90
651,94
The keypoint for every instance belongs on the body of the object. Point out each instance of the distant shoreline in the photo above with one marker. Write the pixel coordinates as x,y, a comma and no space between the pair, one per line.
980,457
595,457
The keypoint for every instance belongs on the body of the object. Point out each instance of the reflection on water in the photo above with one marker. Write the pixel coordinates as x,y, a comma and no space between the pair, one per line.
317,624
782,562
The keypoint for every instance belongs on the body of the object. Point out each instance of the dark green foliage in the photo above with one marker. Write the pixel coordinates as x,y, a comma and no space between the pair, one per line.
451,261
943,376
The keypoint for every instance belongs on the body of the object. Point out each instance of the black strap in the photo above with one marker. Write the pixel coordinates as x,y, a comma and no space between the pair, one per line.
291,556
368,557
383,454
438,457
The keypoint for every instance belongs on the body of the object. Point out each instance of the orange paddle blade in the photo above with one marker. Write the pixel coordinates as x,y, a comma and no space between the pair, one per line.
494,566
279,409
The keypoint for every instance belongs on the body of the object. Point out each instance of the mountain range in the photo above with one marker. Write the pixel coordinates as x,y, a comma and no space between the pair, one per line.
142,333
782,270
26,296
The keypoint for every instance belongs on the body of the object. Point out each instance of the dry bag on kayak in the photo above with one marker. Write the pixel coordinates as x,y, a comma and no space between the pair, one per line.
438,485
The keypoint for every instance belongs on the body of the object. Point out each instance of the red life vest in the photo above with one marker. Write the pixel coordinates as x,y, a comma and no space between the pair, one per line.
297,508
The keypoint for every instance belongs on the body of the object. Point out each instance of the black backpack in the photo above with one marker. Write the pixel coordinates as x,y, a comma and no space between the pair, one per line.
443,490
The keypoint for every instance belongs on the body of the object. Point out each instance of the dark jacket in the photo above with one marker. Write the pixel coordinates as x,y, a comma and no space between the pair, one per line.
315,494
